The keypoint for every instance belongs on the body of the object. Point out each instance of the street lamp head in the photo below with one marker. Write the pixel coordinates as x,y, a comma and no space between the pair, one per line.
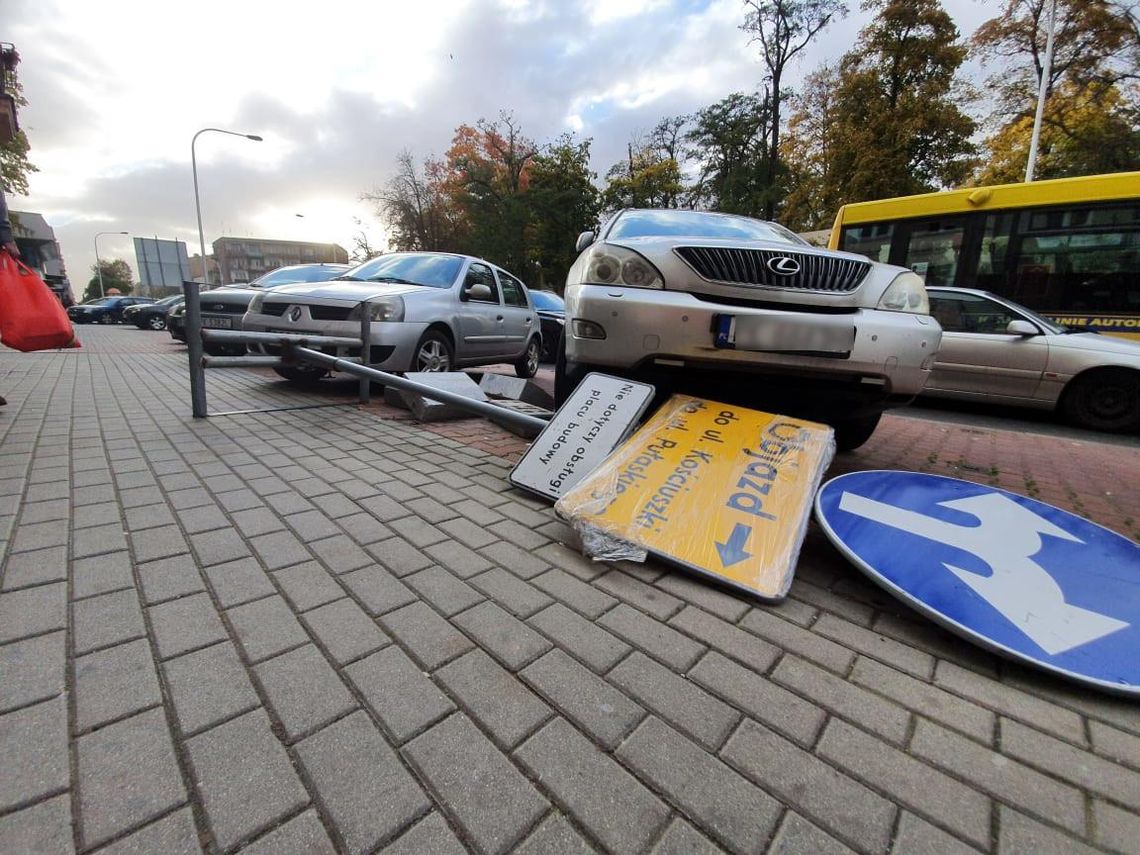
253,137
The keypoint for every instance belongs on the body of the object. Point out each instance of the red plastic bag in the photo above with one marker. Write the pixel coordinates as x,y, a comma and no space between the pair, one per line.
31,316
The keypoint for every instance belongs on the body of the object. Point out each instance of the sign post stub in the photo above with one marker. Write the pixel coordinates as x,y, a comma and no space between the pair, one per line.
721,490
598,415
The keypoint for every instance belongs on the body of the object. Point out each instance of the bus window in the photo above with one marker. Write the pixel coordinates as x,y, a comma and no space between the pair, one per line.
993,263
873,241
933,248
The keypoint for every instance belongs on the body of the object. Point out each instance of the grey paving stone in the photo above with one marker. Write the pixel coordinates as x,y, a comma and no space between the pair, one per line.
239,500
193,498
100,574
725,605
572,561
38,512
876,645
113,683
244,776
208,686
679,702
32,611
580,695
312,525
680,838
361,782
340,554
105,620
35,568
521,562
302,835
41,828
1019,833
345,630
730,640
93,515
843,698
642,596
431,510
32,669
378,590
597,791
169,578
172,835
513,594
999,776
266,627
206,518
158,543
384,508
418,532
652,636
279,549
918,836
364,528
151,516
97,540
430,639
127,776
760,698
457,558
468,533
843,806
796,835
218,547
430,836
257,520
307,586
723,804
556,836
303,690
494,697
805,642
238,582
519,534
505,637
285,502
39,536
581,638
1114,827
399,556
33,743
443,590
571,591
483,792
134,497
185,624
1114,743
402,697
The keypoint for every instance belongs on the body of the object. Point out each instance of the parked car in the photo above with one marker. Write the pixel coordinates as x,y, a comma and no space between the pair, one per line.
552,315
151,316
223,307
430,311
104,310
998,351
724,305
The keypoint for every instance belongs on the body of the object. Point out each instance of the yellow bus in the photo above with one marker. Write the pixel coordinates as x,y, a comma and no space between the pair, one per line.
1068,248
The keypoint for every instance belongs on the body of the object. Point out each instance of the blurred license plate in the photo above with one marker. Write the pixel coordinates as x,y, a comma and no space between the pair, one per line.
218,323
831,334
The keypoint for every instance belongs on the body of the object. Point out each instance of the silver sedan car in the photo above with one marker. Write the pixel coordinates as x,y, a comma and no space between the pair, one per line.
1000,352
427,311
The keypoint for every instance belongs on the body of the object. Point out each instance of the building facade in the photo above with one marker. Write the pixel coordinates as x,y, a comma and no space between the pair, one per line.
244,259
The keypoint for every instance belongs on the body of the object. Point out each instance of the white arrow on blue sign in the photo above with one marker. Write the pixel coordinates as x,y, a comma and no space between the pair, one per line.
1017,576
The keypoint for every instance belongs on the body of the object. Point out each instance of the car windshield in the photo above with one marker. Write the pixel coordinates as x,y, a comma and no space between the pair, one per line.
168,301
547,300
632,224
100,301
411,268
289,275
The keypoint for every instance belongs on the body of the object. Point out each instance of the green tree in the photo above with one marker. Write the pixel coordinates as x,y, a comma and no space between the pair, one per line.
814,194
649,177
564,203
116,274
1091,97
14,164
783,28
729,141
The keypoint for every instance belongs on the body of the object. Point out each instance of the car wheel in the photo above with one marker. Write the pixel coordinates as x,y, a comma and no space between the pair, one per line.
156,322
106,319
550,345
433,353
301,375
567,375
852,433
527,366
1106,400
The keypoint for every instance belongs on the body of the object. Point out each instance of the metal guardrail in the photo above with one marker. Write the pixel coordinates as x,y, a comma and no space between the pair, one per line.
295,350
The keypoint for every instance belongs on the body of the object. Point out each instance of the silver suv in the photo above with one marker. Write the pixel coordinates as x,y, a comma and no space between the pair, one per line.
717,304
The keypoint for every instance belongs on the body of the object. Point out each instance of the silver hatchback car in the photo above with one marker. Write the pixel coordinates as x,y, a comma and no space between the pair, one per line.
429,311
720,304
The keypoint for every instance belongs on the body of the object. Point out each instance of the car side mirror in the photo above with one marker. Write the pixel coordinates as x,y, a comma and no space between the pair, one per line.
476,291
584,240
1024,328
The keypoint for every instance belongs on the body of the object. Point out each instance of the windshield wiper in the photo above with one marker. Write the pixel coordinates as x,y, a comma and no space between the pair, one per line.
395,279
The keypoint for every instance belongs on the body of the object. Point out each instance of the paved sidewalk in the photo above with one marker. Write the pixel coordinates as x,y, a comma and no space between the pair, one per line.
333,629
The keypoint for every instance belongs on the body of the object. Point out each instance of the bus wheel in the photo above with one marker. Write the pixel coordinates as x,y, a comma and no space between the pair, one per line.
1107,400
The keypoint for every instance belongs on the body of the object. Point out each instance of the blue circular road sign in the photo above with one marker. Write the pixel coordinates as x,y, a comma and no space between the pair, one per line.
1014,575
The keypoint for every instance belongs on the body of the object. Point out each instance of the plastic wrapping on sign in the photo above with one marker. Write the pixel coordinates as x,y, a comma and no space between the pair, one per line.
720,490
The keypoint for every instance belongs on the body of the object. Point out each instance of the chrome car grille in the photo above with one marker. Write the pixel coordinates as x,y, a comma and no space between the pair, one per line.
751,267
317,313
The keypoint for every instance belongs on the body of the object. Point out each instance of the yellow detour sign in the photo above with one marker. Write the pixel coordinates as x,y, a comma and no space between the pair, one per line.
722,490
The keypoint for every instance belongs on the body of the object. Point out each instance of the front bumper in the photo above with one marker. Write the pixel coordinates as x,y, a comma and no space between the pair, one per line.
891,352
391,345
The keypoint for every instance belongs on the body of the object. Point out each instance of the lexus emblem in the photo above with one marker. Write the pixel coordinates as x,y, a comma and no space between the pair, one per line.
295,314
784,265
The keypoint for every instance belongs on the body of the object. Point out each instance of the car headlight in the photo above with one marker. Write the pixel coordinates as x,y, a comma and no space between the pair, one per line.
906,294
381,309
255,303
615,265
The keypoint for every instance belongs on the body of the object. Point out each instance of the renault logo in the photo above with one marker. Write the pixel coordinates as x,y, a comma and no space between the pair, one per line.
295,314
784,265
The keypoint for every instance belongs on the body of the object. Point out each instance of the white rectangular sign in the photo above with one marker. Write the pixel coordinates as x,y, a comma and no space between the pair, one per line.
597,416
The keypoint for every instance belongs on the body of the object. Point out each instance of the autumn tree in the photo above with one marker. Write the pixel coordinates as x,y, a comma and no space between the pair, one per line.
419,214
783,28
650,176
1092,99
809,153
729,142
116,274
563,203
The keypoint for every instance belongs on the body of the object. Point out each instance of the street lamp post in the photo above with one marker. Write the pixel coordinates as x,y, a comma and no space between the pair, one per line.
190,289
98,263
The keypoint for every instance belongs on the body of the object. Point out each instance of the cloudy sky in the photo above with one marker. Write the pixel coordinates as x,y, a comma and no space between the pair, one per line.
118,88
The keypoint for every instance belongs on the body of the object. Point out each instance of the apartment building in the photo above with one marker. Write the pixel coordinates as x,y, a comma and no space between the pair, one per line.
244,259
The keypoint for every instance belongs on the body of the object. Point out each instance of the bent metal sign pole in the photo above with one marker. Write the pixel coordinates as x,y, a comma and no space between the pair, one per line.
1021,578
